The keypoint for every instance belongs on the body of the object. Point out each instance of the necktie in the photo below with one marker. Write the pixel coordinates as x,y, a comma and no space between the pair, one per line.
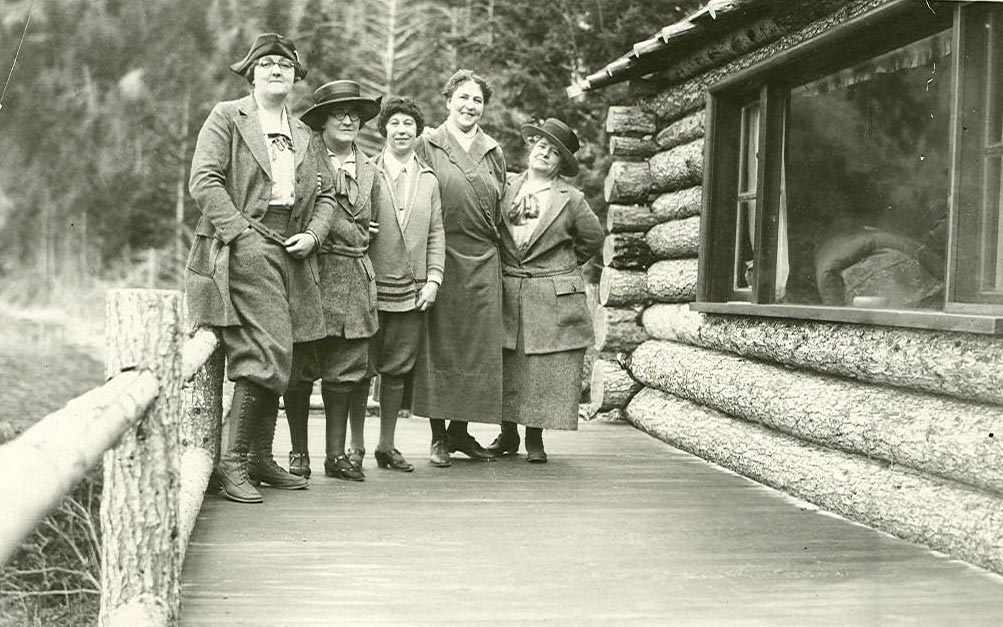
281,142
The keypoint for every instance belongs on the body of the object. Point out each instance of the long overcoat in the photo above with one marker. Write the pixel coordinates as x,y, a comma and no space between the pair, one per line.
458,373
347,278
231,185
544,292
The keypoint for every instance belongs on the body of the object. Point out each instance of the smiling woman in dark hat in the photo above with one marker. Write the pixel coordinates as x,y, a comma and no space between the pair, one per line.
347,282
265,190
547,231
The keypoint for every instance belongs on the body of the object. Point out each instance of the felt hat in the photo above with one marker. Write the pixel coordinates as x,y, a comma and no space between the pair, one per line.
270,43
562,137
343,94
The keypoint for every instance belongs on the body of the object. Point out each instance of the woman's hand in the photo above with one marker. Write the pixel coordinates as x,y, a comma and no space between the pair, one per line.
426,298
300,245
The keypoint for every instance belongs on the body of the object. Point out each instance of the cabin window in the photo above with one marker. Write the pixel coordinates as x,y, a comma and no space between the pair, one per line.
858,177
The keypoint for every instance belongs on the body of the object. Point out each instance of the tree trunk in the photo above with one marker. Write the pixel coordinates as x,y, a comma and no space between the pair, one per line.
677,168
673,281
632,147
674,239
963,522
681,131
626,251
963,365
140,559
627,181
612,386
927,433
629,218
619,288
630,121
617,330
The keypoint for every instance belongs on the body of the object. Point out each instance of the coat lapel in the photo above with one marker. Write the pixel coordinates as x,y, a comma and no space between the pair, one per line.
510,195
249,127
301,138
365,170
558,200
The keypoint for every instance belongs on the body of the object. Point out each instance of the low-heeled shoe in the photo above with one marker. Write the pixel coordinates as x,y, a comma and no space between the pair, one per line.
504,445
469,447
299,464
393,460
536,456
356,455
438,454
341,468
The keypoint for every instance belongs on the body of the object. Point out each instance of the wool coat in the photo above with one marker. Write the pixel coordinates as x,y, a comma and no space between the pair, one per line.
404,254
347,277
458,372
544,292
231,185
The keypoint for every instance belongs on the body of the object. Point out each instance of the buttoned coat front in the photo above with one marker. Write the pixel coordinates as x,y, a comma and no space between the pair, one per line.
543,289
231,184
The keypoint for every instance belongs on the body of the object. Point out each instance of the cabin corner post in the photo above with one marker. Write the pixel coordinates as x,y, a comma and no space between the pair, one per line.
140,574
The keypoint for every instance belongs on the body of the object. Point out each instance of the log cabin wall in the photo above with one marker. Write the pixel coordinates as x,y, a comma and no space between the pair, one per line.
896,428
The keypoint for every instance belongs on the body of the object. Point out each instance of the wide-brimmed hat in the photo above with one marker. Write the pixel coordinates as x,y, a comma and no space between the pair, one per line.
345,94
270,43
563,139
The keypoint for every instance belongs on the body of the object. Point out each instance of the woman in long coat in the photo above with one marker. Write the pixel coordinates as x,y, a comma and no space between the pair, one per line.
265,191
548,231
458,374
347,280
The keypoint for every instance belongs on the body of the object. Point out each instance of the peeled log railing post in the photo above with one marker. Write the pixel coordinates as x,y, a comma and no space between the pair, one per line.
139,509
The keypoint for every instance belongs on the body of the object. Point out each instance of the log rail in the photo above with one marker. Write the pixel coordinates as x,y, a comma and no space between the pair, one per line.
156,423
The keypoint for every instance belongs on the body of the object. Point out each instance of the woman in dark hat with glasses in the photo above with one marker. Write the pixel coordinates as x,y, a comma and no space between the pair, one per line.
348,286
547,231
266,193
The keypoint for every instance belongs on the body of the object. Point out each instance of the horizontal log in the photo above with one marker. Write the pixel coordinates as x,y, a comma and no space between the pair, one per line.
196,469
724,49
622,288
56,452
617,329
629,218
638,147
672,281
677,168
623,120
931,434
681,131
628,251
674,239
960,521
962,365
612,386
627,181
683,203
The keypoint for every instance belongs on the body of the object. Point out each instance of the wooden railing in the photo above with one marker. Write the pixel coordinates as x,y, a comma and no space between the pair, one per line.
156,422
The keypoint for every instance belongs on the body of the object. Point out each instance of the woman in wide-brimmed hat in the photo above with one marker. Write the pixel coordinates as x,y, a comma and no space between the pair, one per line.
458,373
548,230
347,282
266,193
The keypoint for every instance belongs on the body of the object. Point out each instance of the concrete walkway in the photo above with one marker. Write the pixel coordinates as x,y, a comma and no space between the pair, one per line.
618,529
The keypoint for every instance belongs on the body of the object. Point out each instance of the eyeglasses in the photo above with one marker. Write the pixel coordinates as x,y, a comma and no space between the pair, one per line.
266,64
341,114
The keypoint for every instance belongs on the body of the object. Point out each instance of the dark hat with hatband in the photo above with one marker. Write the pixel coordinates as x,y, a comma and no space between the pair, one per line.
270,43
344,94
563,139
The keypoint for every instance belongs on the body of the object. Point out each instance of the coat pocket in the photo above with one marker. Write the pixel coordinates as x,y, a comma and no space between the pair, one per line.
572,306
204,254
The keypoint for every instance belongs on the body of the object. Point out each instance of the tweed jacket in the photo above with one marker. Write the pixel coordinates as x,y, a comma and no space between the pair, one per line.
230,183
404,255
347,278
542,287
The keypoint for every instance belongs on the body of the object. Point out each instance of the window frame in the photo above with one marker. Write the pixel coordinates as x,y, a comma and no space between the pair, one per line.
770,82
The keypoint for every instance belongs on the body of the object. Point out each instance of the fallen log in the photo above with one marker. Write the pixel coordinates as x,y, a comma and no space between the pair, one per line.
627,251
672,281
621,288
612,386
674,239
930,434
960,521
617,329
